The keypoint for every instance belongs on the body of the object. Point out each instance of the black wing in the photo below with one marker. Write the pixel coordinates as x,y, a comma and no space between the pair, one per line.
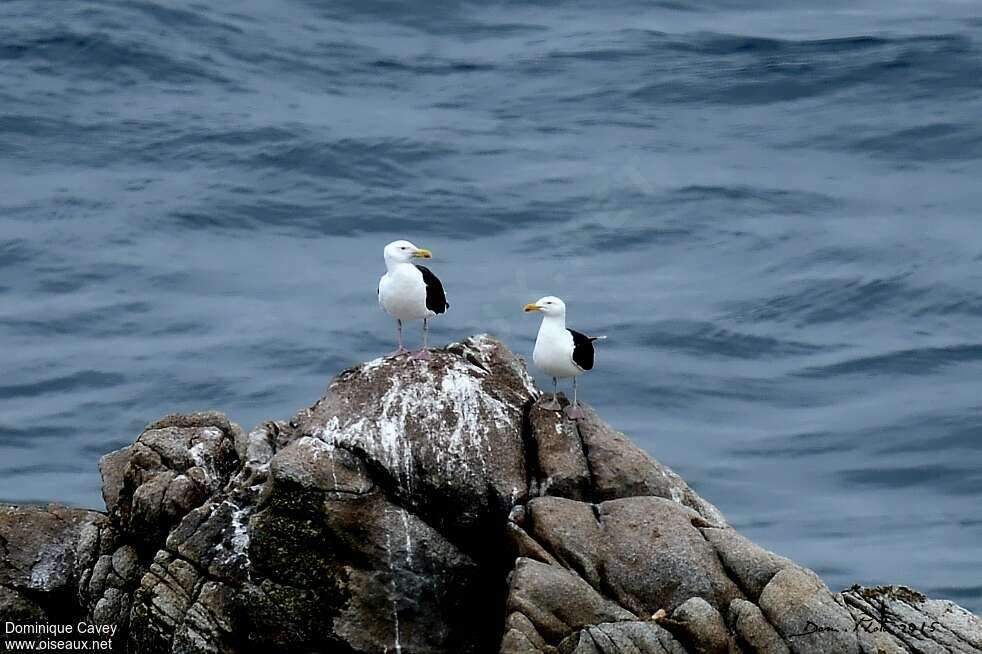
436,298
582,349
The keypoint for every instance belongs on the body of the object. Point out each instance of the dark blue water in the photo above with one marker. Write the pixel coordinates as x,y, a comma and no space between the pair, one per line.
772,209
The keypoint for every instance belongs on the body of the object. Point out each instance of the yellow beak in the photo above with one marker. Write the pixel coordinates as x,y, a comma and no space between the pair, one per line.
532,307
423,253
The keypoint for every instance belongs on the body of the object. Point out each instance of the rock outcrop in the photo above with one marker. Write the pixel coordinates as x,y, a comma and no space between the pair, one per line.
429,507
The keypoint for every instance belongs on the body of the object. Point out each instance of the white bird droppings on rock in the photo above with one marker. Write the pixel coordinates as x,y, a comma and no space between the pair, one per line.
240,533
409,540
449,404
395,595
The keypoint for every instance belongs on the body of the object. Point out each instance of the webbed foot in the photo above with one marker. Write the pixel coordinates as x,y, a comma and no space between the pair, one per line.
574,412
551,405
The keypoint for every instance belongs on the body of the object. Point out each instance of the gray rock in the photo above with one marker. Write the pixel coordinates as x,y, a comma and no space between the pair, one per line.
161,602
622,638
196,420
805,613
39,548
44,552
557,602
899,619
621,469
126,562
215,539
387,517
703,626
655,558
17,607
260,445
109,583
516,642
753,630
522,545
561,466
112,467
750,565
446,433
386,579
643,551
518,623
207,625
570,531
310,464
175,465
109,572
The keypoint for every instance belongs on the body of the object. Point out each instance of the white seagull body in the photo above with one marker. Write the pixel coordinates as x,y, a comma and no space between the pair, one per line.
560,352
402,293
554,347
410,292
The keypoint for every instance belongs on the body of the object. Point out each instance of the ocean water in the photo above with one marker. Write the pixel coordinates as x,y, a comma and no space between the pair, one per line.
771,208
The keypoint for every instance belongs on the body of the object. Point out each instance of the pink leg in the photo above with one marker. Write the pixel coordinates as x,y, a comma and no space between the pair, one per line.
573,411
424,353
553,404
401,350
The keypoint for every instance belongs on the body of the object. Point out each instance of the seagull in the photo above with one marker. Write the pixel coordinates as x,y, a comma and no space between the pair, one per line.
410,292
559,351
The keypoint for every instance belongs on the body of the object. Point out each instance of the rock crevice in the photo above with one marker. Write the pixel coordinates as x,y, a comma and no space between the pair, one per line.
429,507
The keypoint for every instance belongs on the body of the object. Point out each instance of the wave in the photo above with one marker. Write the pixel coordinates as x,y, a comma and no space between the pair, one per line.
848,299
947,478
95,55
26,437
739,70
89,380
923,361
14,253
706,339
944,141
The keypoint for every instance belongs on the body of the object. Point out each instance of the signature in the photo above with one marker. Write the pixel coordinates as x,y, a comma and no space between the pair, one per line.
872,625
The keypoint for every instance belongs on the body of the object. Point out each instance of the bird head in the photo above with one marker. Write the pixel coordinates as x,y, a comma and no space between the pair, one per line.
549,305
404,252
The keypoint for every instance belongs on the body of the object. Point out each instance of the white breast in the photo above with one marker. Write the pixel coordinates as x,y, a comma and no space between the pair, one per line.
402,293
553,351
